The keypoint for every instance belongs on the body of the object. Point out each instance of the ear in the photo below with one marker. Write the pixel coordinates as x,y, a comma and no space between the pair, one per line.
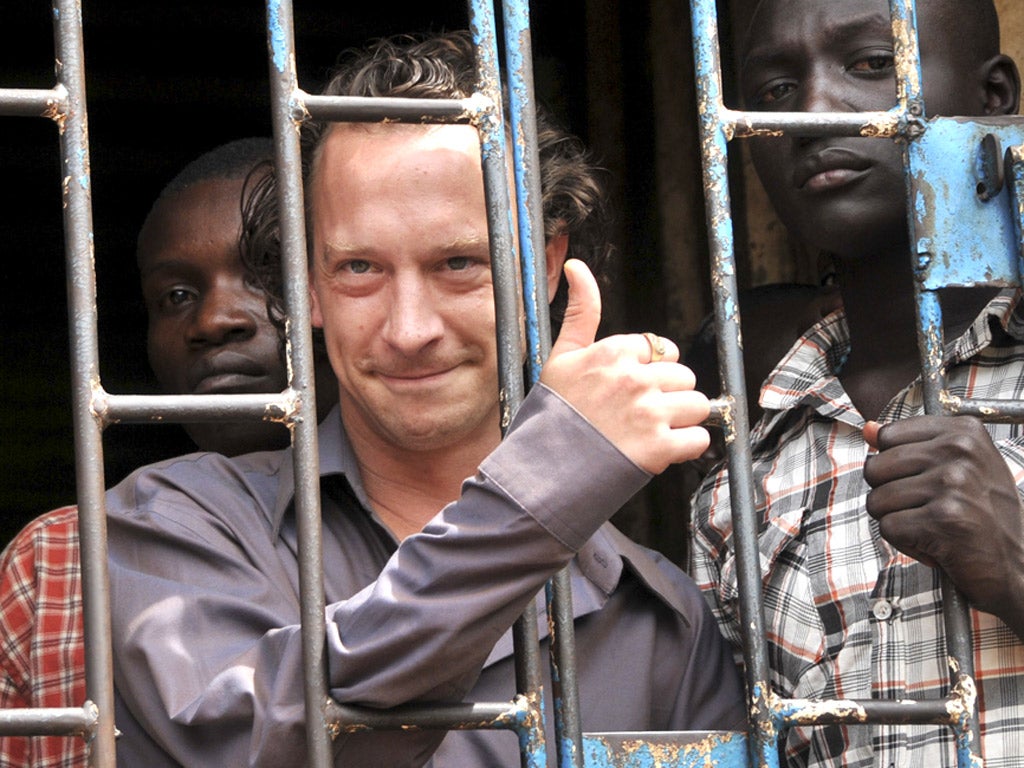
1002,86
555,250
316,317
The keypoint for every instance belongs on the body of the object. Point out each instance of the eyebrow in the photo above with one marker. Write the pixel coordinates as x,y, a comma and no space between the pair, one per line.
835,32
351,251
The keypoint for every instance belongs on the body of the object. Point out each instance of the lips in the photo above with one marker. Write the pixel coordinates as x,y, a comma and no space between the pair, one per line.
830,168
226,373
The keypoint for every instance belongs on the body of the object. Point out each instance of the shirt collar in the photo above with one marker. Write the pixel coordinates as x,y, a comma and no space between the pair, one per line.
808,373
336,458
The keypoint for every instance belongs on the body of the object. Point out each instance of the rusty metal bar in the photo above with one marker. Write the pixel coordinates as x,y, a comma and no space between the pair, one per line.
507,299
299,340
51,721
956,611
138,409
83,322
530,218
376,109
33,102
714,137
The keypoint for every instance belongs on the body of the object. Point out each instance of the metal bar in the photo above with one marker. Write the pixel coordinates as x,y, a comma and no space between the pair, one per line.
530,218
507,300
526,156
376,109
31,102
739,123
83,325
470,716
137,409
714,138
288,160
930,336
50,721
794,712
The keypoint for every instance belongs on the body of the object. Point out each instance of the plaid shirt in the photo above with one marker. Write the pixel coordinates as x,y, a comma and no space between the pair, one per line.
848,616
41,644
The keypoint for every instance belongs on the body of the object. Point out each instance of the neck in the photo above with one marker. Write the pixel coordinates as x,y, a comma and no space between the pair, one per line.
406,486
878,297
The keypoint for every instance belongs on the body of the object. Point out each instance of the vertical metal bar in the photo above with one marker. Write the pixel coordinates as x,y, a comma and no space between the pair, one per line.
83,324
291,207
930,335
714,156
523,120
493,148
526,155
507,301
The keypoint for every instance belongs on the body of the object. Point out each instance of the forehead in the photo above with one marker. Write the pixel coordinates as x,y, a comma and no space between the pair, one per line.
357,151
765,24
192,218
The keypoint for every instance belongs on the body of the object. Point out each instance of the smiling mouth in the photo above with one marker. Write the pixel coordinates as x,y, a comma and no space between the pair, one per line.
402,379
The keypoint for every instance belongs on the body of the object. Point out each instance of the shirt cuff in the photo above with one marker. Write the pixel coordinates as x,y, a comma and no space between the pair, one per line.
561,470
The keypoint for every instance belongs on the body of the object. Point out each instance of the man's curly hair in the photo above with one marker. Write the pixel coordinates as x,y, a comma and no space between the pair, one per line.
573,198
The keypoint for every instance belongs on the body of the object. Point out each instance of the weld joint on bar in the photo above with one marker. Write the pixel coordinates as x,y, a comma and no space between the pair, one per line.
99,404
721,414
481,109
285,411
297,107
57,106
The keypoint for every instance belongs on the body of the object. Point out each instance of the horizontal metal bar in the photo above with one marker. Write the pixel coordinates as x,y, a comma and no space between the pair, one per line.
646,749
366,109
471,716
994,411
140,409
874,124
33,102
859,711
51,721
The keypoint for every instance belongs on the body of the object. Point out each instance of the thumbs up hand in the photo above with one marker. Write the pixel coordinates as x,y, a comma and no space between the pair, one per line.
629,386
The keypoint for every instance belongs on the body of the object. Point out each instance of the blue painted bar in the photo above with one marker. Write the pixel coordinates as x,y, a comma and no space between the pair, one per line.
717,749
960,238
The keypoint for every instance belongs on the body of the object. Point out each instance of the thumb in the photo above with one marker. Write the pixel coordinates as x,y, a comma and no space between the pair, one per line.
871,430
582,312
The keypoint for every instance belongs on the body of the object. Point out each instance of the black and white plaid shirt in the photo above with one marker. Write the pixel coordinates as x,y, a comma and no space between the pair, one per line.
847,615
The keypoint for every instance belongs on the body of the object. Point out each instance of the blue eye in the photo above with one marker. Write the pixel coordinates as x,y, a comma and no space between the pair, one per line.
458,263
357,266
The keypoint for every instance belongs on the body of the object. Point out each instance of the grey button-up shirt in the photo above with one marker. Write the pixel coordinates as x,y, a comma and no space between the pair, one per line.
205,599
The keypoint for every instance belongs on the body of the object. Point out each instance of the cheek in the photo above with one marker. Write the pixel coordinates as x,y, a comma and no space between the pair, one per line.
166,353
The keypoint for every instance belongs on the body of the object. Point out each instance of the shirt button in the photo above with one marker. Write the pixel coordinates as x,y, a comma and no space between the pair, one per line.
882,609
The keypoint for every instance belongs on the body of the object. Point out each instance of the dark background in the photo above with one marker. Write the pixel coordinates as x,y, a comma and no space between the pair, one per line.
168,80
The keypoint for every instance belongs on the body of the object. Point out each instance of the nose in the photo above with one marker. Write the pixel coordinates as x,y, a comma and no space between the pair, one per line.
414,318
227,312
821,90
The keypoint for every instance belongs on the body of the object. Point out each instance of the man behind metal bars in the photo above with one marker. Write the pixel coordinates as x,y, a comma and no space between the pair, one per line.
437,534
853,538
209,331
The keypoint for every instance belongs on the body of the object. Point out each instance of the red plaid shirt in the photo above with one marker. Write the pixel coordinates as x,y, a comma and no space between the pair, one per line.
41,644
847,616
